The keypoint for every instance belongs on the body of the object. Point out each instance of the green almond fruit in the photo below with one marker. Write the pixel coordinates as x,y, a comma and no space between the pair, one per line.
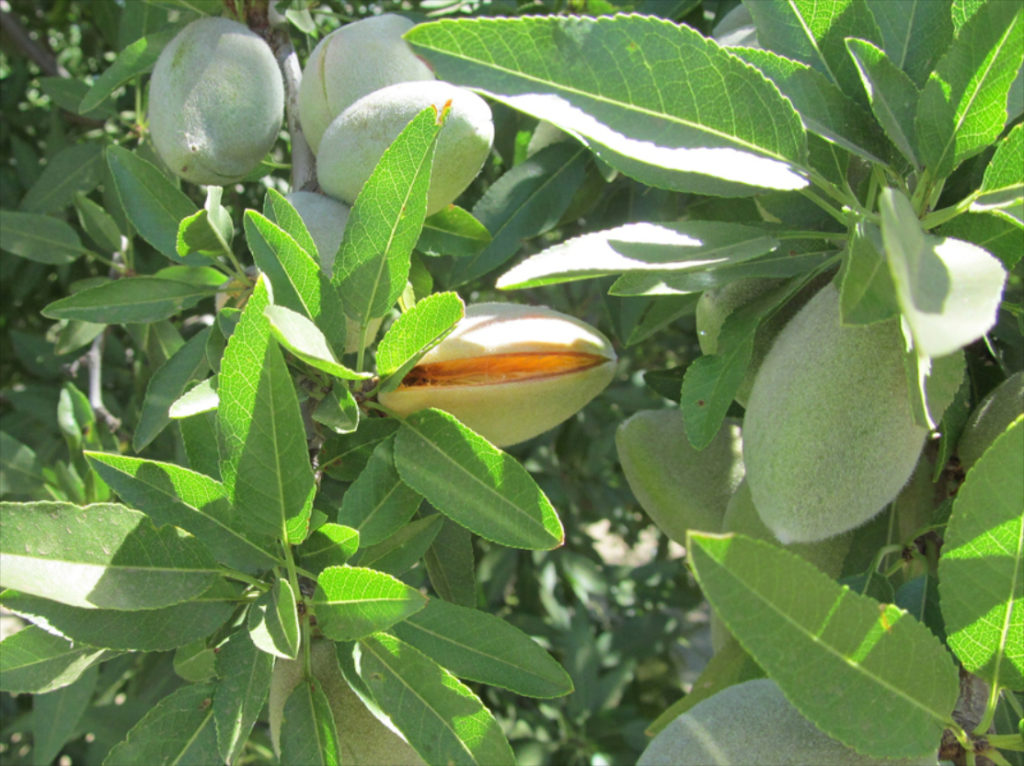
216,102
995,413
678,486
354,142
351,62
829,438
747,723
363,738
509,372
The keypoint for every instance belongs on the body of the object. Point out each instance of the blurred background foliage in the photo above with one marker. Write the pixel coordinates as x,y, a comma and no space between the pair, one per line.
615,604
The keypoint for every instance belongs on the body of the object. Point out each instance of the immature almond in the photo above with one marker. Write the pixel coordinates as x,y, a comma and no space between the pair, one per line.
509,372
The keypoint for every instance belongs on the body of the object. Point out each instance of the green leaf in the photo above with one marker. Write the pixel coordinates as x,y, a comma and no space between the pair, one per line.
21,471
68,92
152,203
298,282
353,602
280,211
417,331
207,231
453,231
441,718
688,246
273,621
867,294
776,265
814,34
128,300
330,545
309,736
711,381
241,693
171,494
948,289
34,661
801,627
138,58
963,105
474,483
451,563
338,410
484,648
981,570
200,399
344,457
103,556
891,93
179,730
1002,189
195,662
55,715
824,109
400,552
638,111
914,34
267,466
98,223
372,265
995,234
40,238
526,201
304,339
74,169
148,630
166,385
378,502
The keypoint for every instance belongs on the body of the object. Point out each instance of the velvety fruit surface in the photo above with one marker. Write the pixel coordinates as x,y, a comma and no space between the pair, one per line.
678,486
750,723
351,62
216,101
356,139
829,437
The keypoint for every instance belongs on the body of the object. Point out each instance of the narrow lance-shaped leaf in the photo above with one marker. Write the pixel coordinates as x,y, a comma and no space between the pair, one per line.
696,246
35,661
474,483
417,331
962,108
128,300
267,466
303,338
55,716
171,494
814,34
1002,189
103,556
77,168
298,282
137,58
527,200
241,693
353,602
830,649
153,204
481,647
274,621
891,93
147,630
372,265
981,571
442,719
639,111
40,238
378,502
179,730
309,736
